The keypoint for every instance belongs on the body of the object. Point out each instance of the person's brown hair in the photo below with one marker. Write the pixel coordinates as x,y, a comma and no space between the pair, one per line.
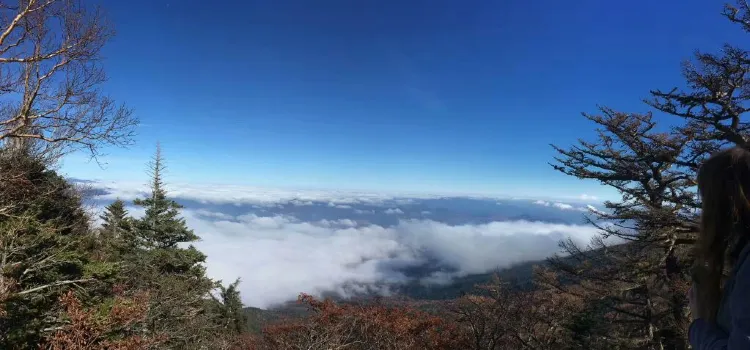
723,186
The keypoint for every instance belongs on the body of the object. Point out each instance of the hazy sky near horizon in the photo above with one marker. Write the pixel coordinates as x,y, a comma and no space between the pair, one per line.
459,96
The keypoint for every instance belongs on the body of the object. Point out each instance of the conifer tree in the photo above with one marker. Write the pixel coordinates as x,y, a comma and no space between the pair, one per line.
43,249
115,218
173,273
162,226
117,239
116,222
230,315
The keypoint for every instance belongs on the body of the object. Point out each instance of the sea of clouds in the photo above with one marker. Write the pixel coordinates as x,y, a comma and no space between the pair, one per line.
283,242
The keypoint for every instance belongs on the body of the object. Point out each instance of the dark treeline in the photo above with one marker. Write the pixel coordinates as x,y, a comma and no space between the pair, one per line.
138,283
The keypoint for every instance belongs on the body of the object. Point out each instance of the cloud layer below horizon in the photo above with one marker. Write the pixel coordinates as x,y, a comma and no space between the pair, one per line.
279,257
278,252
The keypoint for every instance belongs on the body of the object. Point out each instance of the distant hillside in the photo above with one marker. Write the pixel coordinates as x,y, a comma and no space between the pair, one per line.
520,274
423,295
258,318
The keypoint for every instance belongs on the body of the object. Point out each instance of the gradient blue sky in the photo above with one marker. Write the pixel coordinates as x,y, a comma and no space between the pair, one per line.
422,95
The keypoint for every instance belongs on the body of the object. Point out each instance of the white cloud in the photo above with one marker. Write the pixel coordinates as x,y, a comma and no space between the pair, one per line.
211,214
340,206
588,198
565,206
278,257
220,194
594,209
264,196
393,211
335,223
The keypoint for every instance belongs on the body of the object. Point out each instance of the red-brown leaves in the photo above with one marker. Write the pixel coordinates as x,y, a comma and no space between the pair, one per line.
119,327
498,317
370,326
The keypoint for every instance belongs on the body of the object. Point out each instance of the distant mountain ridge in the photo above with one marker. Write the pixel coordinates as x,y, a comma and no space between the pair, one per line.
423,294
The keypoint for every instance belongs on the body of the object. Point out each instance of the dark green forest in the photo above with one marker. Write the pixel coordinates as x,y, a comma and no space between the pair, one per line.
138,283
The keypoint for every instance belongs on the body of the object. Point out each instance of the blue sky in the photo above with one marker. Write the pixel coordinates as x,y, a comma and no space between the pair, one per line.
450,96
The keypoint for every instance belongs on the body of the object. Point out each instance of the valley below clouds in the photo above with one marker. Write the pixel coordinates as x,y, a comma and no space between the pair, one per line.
281,242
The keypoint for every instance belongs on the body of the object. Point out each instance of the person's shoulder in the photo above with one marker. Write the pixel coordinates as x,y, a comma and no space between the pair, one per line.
739,303
742,259
741,273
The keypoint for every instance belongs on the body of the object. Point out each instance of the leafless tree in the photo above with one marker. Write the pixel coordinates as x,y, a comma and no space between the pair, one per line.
50,73
499,316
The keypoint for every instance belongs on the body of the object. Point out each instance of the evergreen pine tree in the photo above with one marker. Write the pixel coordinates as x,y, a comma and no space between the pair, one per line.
173,273
114,218
116,236
162,226
231,315
44,253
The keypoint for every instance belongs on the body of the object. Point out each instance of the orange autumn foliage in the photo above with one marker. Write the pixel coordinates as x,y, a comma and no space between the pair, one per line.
368,326
118,329
499,316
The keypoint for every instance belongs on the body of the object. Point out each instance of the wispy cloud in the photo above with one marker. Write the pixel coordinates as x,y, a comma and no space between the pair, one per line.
209,193
265,196
394,211
565,206
586,197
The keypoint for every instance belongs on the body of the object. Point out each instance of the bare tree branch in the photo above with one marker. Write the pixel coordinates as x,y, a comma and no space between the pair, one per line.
49,79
